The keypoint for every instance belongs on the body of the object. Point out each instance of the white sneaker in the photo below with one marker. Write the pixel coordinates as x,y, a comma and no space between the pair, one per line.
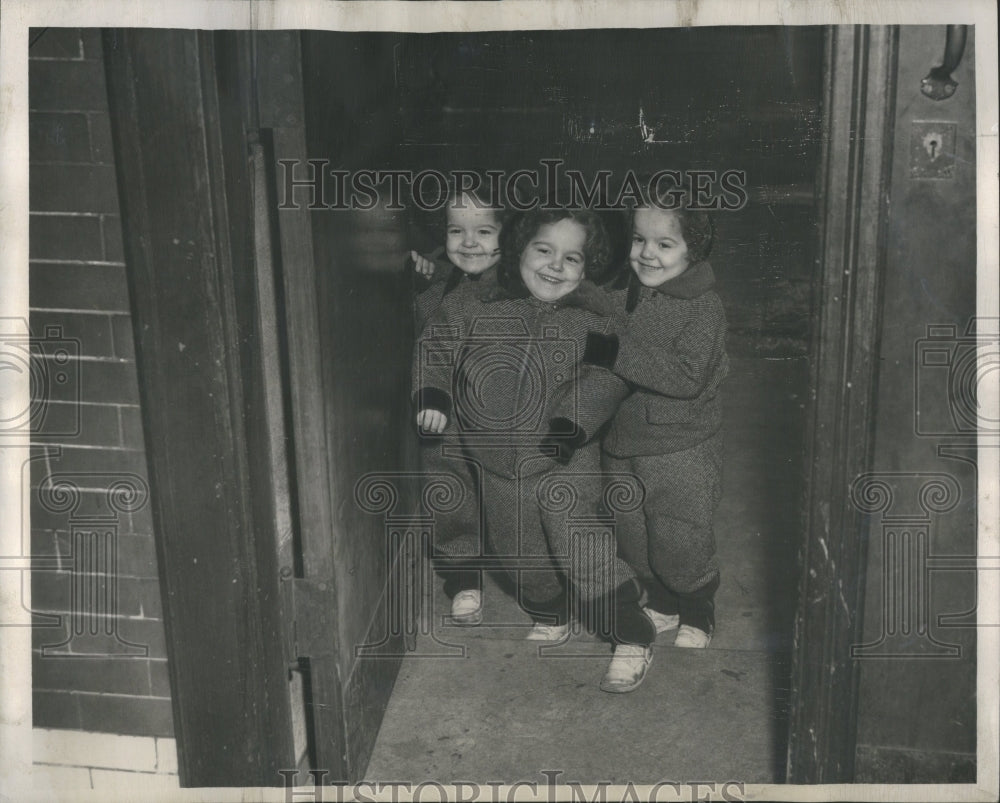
692,637
663,621
540,632
628,668
467,607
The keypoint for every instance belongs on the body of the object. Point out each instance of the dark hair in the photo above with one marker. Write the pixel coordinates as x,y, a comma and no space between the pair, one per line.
478,198
596,248
696,225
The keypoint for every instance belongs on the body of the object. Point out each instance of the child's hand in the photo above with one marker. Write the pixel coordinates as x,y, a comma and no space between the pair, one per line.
562,440
422,265
432,421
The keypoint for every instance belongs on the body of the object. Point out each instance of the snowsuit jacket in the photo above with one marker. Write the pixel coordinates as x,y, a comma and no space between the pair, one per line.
508,370
671,350
430,292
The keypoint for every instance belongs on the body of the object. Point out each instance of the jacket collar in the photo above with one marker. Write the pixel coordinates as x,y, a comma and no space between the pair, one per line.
695,281
586,295
457,275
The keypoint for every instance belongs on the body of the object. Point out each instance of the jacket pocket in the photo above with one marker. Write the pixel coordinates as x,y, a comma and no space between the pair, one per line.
702,412
670,411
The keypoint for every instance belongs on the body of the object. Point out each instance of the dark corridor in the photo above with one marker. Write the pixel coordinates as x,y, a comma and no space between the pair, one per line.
718,99
248,352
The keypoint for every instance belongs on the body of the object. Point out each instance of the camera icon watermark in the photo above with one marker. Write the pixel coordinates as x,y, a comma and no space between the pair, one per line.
51,364
87,624
907,505
582,509
408,503
951,372
500,378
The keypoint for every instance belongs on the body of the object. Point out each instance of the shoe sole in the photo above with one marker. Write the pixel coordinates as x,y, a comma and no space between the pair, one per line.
619,688
467,619
694,646
563,637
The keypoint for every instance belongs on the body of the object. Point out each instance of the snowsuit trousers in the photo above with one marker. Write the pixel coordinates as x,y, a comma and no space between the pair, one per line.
544,524
670,540
458,534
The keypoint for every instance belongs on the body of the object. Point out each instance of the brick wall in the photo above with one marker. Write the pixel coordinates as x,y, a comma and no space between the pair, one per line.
99,655
65,760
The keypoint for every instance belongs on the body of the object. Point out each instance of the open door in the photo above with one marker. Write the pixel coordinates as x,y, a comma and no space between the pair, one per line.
858,120
273,574
273,373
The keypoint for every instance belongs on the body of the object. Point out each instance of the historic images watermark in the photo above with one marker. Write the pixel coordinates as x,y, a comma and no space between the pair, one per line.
547,186
78,613
410,504
950,369
953,367
549,790
51,362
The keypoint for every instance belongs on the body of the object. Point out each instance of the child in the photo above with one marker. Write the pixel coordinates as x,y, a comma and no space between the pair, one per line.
668,432
495,370
472,247
470,253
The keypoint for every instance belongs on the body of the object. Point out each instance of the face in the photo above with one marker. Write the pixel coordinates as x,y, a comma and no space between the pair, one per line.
472,238
659,252
552,262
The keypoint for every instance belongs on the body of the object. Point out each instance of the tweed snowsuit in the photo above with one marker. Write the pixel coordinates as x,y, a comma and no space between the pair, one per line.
498,367
458,534
446,279
668,432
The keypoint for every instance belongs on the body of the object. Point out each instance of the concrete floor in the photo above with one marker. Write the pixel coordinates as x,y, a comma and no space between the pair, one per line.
481,704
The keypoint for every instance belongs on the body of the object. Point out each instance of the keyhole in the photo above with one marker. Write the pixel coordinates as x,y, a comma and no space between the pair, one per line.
934,146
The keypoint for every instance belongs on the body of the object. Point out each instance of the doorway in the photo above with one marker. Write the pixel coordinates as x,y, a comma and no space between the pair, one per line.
746,100
336,308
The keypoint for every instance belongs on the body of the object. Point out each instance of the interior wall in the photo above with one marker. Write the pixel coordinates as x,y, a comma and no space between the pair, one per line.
366,332
102,666
917,706
505,101
744,98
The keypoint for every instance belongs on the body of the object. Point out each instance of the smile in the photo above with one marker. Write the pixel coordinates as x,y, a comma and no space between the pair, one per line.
550,279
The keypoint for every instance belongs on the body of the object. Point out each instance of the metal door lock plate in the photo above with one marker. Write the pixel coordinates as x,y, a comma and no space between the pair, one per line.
932,149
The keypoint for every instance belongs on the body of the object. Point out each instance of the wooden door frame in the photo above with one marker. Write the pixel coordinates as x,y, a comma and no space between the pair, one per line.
853,190
185,193
860,70
200,250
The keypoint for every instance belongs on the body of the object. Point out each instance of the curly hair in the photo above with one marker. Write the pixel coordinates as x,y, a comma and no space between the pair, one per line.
436,221
596,248
696,225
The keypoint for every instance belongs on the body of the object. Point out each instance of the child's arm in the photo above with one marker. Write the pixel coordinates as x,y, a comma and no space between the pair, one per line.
426,265
584,404
679,366
432,421
427,287
580,412
422,265
431,376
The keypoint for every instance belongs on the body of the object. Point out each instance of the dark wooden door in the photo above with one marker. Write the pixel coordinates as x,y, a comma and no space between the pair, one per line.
859,93
271,371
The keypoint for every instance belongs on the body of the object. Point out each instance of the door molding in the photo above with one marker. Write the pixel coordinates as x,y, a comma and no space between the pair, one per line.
177,101
859,113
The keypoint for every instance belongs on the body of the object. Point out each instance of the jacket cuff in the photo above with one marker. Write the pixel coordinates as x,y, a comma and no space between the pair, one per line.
563,438
431,398
601,350
565,430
